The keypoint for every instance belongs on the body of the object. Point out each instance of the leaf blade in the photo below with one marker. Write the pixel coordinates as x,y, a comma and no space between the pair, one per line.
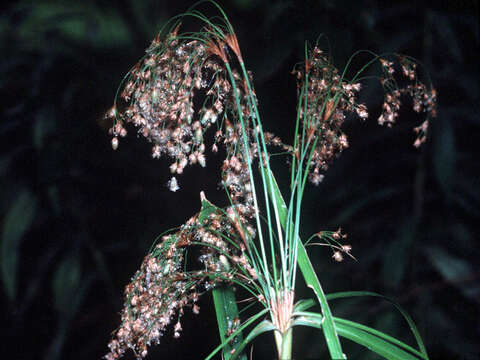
405,315
377,344
17,221
226,311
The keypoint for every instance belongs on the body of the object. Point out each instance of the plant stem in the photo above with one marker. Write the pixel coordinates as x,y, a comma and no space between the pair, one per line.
287,345
284,344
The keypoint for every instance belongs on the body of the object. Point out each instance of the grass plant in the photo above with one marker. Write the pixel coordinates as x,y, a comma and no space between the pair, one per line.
189,82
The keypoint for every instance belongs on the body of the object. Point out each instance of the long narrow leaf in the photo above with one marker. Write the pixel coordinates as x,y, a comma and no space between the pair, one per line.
379,334
251,320
372,339
261,328
329,331
407,317
226,307
374,343
303,305
308,321
17,221
227,310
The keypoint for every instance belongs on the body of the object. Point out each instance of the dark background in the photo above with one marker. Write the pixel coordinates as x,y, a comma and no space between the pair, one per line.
77,218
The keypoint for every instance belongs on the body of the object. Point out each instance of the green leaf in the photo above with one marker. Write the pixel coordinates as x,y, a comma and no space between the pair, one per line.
66,282
311,319
411,324
223,298
262,327
227,312
17,221
69,290
454,270
355,206
78,22
331,337
444,154
303,304
396,260
376,341
43,126
207,209
247,323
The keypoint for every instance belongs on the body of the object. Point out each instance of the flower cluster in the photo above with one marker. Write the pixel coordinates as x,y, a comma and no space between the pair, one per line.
333,240
162,95
326,100
173,95
159,99
424,99
162,287
158,290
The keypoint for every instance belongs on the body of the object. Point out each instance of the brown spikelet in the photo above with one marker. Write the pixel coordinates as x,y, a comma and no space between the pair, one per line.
308,66
330,106
232,41
217,49
156,41
174,33
245,86
310,133
240,231
228,124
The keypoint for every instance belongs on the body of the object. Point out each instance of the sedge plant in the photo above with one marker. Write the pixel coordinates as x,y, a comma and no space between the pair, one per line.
189,82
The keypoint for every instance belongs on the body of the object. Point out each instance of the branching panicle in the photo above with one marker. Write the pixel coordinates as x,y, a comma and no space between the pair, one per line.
326,98
161,97
163,286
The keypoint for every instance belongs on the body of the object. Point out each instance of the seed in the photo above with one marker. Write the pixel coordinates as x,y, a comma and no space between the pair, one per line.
173,184
115,143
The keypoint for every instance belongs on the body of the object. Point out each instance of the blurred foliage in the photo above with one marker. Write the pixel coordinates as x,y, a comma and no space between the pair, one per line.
76,219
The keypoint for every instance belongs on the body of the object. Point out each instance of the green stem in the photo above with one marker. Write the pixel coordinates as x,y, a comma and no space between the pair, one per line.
284,344
287,345
278,341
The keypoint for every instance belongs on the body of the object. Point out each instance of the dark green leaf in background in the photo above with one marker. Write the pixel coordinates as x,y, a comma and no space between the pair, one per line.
16,223
397,254
455,270
444,153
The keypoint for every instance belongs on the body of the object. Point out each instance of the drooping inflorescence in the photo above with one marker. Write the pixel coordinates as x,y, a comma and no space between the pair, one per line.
424,99
326,97
174,95
164,286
